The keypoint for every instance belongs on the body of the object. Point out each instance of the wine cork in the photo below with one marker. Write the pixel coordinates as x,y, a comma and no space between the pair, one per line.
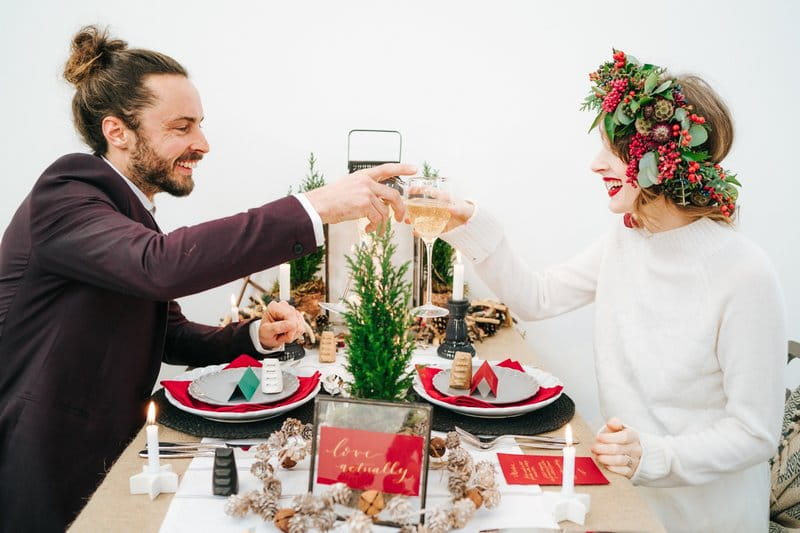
271,376
461,371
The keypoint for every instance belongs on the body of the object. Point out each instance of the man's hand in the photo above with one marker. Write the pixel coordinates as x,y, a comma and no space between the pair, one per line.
618,448
361,195
280,324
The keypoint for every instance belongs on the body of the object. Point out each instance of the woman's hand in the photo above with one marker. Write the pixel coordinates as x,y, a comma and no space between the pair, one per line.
280,324
460,212
618,448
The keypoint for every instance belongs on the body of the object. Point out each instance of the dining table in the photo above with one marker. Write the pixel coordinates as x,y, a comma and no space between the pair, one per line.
616,506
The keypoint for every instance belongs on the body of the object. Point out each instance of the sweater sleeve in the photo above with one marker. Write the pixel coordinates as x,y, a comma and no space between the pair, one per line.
532,295
751,349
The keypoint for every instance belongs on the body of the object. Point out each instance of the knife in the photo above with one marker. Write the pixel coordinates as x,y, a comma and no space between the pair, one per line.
180,454
163,445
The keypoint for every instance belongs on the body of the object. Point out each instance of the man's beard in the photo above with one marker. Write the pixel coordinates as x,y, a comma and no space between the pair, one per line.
154,173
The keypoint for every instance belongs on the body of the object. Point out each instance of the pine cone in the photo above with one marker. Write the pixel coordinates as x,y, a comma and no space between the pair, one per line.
264,505
273,487
440,520
321,322
491,498
663,110
459,461
400,510
457,485
275,442
462,512
308,432
700,198
358,522
339,493
238,505
453,440
292,427
325,520
484,475
262,470
648,111
300,523
439,324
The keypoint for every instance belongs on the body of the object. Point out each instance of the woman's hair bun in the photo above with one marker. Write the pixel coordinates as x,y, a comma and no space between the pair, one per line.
92,50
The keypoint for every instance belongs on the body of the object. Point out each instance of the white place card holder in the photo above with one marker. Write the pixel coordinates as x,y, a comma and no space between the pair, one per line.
271,377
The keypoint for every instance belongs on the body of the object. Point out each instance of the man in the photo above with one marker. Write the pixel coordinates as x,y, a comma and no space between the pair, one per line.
87,279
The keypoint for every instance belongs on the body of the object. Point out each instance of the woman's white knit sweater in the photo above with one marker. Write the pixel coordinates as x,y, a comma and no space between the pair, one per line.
690,348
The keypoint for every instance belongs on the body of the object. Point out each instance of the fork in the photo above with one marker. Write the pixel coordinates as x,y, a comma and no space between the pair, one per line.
530,441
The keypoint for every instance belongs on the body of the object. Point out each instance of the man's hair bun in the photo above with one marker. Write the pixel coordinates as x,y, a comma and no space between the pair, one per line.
92,50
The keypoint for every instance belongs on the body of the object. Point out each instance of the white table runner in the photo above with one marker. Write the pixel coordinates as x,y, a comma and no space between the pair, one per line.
194,507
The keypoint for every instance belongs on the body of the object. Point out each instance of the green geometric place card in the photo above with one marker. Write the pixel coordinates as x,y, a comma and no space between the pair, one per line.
246,387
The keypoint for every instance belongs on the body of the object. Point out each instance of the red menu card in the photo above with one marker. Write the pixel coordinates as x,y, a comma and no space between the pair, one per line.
365,460
547,469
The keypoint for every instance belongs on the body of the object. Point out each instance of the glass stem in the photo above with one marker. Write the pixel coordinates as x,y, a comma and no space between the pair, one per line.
429,253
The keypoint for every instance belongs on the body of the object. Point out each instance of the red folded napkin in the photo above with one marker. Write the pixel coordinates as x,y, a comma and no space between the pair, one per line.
180,391
547,470
426,375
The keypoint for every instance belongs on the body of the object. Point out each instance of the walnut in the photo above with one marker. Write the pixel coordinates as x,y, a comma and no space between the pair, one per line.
475,495
437,447
371,502
282,518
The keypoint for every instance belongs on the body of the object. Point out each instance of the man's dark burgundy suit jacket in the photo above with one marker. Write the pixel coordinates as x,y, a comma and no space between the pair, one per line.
87,283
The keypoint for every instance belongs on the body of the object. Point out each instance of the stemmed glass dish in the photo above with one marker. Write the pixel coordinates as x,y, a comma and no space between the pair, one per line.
427,206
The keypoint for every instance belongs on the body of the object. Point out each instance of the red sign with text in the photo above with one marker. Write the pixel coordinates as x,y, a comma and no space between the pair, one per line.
365,460
547,470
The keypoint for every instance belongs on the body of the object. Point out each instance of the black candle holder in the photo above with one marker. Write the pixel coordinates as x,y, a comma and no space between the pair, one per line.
455,337
292,350
225,479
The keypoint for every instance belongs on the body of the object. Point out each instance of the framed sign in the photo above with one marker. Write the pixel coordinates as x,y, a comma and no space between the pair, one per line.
378,449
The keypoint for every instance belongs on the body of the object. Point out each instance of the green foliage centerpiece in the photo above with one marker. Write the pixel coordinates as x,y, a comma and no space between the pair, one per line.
304,269
379,343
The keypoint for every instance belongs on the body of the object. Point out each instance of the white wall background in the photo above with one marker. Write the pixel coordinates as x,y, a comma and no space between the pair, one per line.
488,92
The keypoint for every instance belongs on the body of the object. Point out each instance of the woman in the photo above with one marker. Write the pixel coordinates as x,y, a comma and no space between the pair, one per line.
690,330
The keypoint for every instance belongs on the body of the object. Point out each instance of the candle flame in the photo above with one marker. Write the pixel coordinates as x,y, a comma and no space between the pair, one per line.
568,435
458,257
233,300
151,413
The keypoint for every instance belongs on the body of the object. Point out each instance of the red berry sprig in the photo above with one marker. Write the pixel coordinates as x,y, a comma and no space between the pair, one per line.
639,145
619,59
667,161
612,99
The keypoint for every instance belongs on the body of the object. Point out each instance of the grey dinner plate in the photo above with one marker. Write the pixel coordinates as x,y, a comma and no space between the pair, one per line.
216,388
512,386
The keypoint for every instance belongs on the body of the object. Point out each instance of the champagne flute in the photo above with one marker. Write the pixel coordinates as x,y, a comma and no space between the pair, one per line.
427,206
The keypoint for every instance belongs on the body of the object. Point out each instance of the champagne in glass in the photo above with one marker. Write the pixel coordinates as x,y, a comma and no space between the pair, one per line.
427,207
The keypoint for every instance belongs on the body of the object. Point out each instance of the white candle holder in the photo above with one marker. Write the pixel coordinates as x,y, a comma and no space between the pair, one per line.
572,507
154,483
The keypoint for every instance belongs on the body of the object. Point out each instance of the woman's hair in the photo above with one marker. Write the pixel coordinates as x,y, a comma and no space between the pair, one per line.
109,81
707,103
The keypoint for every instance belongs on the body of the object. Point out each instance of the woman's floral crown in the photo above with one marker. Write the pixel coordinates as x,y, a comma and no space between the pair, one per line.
666,138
